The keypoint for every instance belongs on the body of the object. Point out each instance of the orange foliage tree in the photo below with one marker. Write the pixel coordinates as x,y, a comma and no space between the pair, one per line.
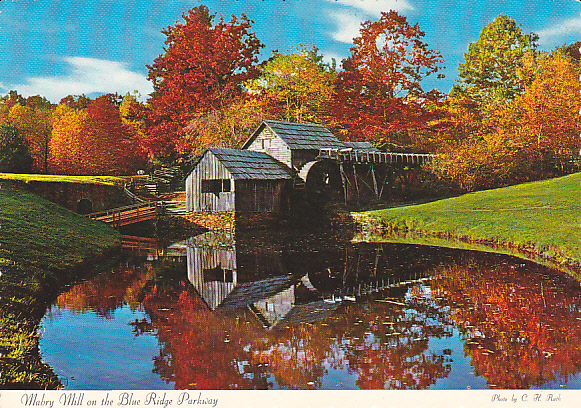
94,140
549,121
503,142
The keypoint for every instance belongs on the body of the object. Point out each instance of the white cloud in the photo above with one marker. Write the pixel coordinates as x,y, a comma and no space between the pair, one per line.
87,76
352,13
375,7
348,25
554,35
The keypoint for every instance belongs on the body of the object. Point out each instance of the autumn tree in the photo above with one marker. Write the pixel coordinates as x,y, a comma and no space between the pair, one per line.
572,51
7,102
203,68
492,64
67,141
33,118
503,142
228,127
296,87
378,95
549,120
94,140
76,101
14,154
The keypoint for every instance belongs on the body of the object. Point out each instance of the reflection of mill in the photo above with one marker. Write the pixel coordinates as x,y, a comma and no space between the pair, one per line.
282,293
277,298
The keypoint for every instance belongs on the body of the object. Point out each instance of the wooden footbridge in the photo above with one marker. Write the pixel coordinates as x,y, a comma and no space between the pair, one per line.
143,211
130,214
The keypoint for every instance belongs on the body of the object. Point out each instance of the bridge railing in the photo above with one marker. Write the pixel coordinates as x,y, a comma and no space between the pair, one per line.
363,156
113,211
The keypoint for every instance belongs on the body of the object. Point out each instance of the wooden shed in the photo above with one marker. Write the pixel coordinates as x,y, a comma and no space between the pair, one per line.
293,144
239,181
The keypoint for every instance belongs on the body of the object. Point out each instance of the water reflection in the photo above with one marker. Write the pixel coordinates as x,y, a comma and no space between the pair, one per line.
521,324
252,312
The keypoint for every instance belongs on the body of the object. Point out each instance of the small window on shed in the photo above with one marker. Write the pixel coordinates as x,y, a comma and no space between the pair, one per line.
216,186
265,143
218,274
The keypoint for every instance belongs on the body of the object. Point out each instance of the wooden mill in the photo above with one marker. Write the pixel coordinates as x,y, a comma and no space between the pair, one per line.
282,157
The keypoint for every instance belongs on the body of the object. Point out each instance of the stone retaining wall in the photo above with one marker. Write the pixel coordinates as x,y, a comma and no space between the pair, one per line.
229,220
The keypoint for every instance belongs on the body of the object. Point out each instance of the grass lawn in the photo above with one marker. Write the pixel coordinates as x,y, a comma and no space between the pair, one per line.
42,248
540,219
108,180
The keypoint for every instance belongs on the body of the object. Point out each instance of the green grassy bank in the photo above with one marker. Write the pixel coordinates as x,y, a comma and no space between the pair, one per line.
539,221
43,247
107,180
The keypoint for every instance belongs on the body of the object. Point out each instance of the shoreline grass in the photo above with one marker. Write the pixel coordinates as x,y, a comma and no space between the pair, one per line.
43,247
55,178
540,221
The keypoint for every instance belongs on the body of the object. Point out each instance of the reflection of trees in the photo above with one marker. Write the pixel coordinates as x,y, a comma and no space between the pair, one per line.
201,349
296,355
384,346
102,296
522,326
388,346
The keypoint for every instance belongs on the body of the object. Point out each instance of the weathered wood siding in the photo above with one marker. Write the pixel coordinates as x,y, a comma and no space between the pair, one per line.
276,307
261,196
204,259
266,141
209,168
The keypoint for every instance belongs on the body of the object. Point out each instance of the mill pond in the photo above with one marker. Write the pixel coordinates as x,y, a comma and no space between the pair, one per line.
262,311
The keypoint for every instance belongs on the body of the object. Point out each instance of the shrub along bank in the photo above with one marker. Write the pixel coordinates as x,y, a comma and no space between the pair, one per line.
42,248
539,220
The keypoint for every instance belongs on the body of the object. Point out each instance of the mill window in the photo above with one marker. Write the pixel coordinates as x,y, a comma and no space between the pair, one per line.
216,186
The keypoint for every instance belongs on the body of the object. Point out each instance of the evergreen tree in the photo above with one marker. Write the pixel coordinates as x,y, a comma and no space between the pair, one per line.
14,154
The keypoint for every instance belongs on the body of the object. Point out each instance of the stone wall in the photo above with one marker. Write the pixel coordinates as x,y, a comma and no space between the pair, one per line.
228,220
77,197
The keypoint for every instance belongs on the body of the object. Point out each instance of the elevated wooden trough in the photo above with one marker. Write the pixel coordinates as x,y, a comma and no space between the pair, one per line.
358,156
365,173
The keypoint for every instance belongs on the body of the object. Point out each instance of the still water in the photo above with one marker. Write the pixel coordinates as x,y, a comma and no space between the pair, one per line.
219,311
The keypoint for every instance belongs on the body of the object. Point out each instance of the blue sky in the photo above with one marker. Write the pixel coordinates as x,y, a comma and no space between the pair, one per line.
59,47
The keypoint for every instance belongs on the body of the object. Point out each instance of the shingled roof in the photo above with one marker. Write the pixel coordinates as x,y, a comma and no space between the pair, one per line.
250,165
300,136
361,146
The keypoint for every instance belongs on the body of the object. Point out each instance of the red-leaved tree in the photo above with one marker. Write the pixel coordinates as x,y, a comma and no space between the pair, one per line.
378,95
203,68
94,140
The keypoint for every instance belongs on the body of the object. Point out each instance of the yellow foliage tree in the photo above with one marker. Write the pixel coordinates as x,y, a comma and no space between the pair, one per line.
68,147
228,127
502,142
34,124
297,86
549,120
